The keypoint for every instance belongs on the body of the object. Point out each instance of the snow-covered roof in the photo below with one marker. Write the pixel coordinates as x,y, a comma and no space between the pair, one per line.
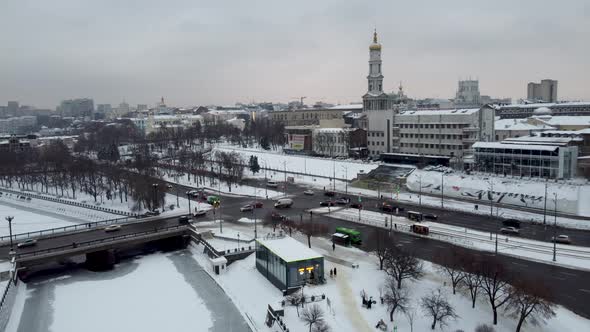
347,107
177,116
549,105
519,124
440,112
289,249
541,140
497,145
565,120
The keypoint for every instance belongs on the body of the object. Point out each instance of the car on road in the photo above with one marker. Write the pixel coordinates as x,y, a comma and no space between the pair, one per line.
247,208
430,216
184,219
277,216
272,184
283,203
509,230
257,205
343,200
169,186
329,193
563,239
27,243
200,213
308,192
112,228
327,203
387,207
511,223
155,212
356,205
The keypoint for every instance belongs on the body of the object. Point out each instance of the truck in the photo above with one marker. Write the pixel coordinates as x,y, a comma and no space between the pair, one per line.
283,203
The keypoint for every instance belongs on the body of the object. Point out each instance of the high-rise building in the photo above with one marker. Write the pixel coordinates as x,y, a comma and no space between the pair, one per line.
546,91
78,108
104,108
12,108
142,107
468,94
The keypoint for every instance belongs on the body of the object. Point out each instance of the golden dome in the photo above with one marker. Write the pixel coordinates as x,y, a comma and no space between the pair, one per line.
375,46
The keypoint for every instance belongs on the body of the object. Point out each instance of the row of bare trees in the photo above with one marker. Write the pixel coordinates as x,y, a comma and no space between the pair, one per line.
524,299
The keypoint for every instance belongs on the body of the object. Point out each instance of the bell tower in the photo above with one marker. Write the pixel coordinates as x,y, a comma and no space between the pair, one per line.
375,78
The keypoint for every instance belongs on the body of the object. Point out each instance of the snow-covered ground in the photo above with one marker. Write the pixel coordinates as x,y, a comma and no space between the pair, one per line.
28,221
567,255
148,294
345,312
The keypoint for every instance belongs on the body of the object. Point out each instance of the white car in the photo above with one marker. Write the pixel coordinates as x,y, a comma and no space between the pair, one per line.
308,192
27,243
509,230
112,228
564,239
247,208
200,213
272,184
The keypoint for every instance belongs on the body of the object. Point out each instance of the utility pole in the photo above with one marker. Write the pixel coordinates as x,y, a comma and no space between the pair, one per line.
188,197
219,200
285,185
420,192
555,228
491,198
254,213
334,174
177,203
545,205
9,219
442,190
265,181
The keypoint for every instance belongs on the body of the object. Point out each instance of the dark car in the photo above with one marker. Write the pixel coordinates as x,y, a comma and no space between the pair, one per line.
343,200
329,193
327,203
511,223
387,207
430,216
257,205
277,216
356,206
183,219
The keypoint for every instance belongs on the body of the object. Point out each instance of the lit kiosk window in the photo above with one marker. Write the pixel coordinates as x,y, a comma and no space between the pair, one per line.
287,263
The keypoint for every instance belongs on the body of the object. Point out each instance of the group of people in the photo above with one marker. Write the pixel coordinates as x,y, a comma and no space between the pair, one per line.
333,272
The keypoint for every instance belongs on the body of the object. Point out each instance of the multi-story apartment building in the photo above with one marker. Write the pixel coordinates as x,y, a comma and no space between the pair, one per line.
442,132
77,108
312,116
546,91
527,110
18,125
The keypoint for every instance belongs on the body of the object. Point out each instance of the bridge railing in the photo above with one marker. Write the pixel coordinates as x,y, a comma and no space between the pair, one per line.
57,230
77,245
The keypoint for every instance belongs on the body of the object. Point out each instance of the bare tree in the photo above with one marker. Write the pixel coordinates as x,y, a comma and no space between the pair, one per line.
410,315
395,298
401,265
322,327
494,284
452,266
528,302
312,315
436,306
382,245
472,282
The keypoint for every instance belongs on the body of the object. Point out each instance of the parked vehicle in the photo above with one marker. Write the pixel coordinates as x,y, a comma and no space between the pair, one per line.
183,219
509,230
272,184
247,208
511,223
563,239
430,216
327,203
308,192
416,216
112,228
420,229
257,204
356,206
27,243
283,203
343,200
329,193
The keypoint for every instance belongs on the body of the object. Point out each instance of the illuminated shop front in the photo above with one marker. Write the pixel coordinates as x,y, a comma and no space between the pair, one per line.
287,263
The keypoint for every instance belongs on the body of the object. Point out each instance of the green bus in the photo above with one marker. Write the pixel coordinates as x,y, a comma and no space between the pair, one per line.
212,199
354,235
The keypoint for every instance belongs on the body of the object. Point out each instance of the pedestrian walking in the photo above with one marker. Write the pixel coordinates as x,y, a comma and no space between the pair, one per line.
334,272
331,273
333,246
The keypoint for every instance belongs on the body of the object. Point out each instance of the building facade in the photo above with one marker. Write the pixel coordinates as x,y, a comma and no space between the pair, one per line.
307,116
18,125
77,108
556,109
287,263
442,132
546,91
508,128
527,157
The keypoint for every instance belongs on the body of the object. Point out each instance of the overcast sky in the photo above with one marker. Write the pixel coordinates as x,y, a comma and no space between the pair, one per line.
222,52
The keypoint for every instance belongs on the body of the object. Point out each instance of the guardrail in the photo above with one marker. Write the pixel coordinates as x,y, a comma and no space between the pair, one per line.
90,243
8,297
72,203
57,230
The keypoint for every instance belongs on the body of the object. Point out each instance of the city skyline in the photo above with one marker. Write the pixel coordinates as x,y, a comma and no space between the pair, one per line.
203,54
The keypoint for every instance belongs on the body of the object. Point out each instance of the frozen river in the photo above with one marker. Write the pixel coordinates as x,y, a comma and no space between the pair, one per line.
159,292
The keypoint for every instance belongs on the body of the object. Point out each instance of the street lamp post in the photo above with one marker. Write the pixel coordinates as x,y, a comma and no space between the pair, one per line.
265,181
555,227
177,202
420,191
9,219
155,186
545,205
334,174
442,190
254,214
218,202
285,185
188,197
238,241
346,177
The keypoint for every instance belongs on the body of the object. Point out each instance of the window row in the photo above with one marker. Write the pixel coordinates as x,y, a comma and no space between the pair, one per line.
432,136
434,125
376,134
431,146
376,143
